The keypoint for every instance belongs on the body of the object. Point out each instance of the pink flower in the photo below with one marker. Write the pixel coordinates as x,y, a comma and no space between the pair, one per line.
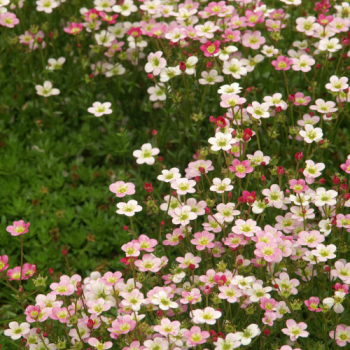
253,39
274,26
146,243
231,35
298,186
121,189
111,19
247,228
174,238
230,293
8,19
131,249
74,29
14,274
324,107
311,239
241,168
4,263
192,297
18,228
183,185
346,166
282,63
234,240
196,336
303,63
269,251
110,278
28,271
188,260
313,304
295,330
203,240
135,345
254,18
217,8
149,263
210,48
122,325
100,345
342,271
342,335
61,314
62,288
167,327
268,318
134,32
268,304
38,313
96,307
301,100
231,100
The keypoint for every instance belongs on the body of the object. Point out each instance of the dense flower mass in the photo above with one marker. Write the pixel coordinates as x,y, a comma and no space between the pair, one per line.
245,249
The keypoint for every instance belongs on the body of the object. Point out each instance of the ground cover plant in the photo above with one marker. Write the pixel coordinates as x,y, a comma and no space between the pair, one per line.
174,175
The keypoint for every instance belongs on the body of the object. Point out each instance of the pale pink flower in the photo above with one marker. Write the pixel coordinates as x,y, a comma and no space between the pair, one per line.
121,189
268,318
110,278
146,243
226,212
17,330
168,327
8,19
192,297
183,186
268,251
253,39
323,253
247,228
295,330
234,240
148,263
337,84
324,107
312,170
221,141
313,304
301,100
231,100
311,239
258,158
122,325
97,306
258,110
308,119
61,314
4,262
134,299
342,335
129,208
303,63
220,186
203,240
156,343
64,287
155,63
131,249
274,195
298,186
146,154
346,166
282,63
183,215
208,316
174,238
230,293
342,271
188,260
287,284
100,345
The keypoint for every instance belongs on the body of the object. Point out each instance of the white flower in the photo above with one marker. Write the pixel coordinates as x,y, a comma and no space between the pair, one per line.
163,301
104,5
176,34
258,110
145,155
54,64
337,84
183,215
206,30
221,141
169,73
157,92
114,69
258,207
16,330
336,302
128,209
325,226
208,316
324,197
235,68
191,65
258,291
230,342
323,253
242,282
225,52
4,3
183,185
330,45
126,8
46,5
324,107
46,90
234,88
156,344
169,175
220,186
251,62
269,51
104,38
98,109
155,63
311,134
117,30
250,332
210,78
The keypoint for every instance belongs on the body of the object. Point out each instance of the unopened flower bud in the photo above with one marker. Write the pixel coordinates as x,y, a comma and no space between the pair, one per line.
345,41
207,210
280,170
206,290
197,179
287,191
182,66
278,109
64,252
51,271
347,196
192,267
336,180
298,156
263,163
160,159
38,330
263,178
125,228
150,76
327,268
90,323
148,187
209,65
201,169
291,98
162,223
322,181
212,119
266,332
239,262
229,195
154,132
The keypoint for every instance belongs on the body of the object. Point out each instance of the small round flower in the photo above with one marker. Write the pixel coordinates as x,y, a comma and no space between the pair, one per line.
128,209
146,154
220,186
98,109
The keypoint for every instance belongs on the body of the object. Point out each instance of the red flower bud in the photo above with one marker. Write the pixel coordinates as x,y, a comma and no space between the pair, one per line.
201,169
344,186
148,187
263,163
154,132
51,271
280,171
192,267
45,334
276,286
90,323
311,113
125,228
40,40
91,76
38,330
287,191
322,181
197,179
207,210
318,66
206,290
336,180
239,262
209,65
160,159
301,170
291,98
50,34
64,252
263,178
278,109
182,66
150,76
159,313
246,137
298,156
162,223
347,196
78,292
229,194
345,41
266,332
234,133
212,332
327,269
212,119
